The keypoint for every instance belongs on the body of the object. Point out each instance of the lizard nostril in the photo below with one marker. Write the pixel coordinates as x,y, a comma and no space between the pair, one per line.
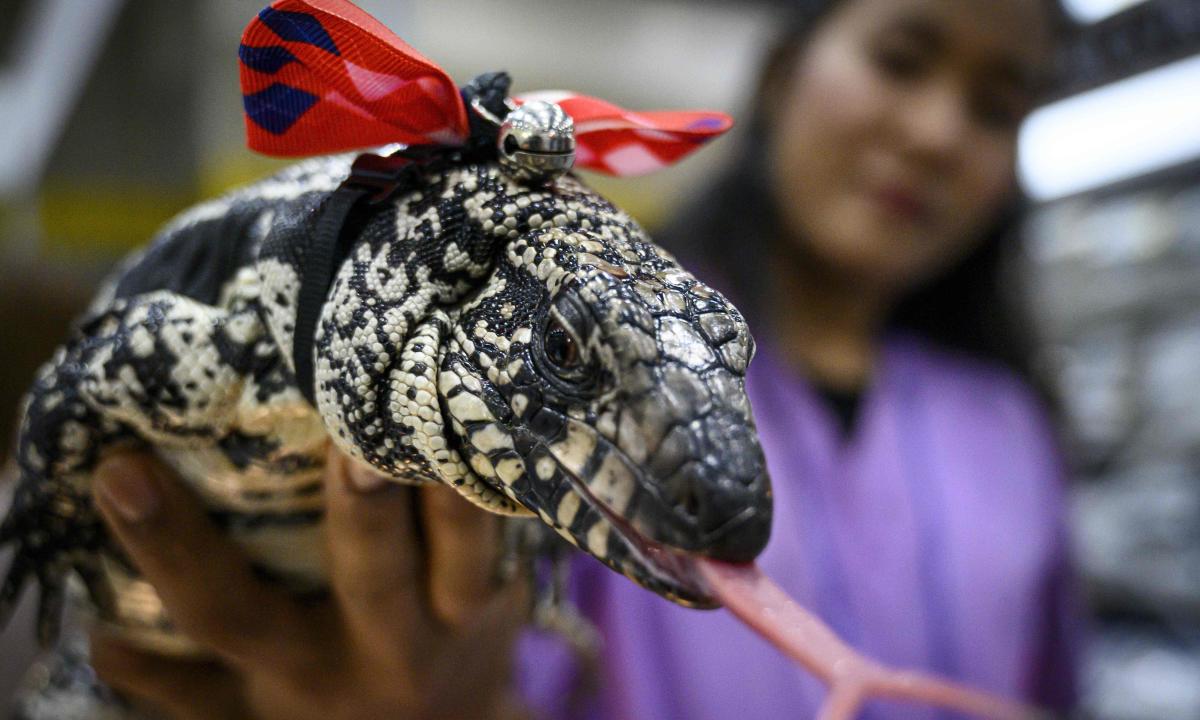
679,494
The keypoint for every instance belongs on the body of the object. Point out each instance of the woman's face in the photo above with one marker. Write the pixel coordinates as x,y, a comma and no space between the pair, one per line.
893,139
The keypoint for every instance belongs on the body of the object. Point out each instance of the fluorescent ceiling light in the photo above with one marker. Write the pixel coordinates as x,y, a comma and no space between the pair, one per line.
1094,10
1123,130
54,52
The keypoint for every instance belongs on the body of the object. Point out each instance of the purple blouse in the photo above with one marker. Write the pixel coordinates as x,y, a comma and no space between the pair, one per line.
931,538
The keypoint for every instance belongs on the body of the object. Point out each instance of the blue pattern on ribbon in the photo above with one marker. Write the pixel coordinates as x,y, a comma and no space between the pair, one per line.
298,27
706,123
265,59
277,108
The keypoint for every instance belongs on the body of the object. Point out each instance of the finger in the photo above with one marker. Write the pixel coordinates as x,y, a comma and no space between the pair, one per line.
374,558
504,614
186,689
202,577
464,548
482,648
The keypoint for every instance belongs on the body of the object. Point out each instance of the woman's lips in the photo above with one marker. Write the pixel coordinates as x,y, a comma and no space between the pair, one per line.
903,204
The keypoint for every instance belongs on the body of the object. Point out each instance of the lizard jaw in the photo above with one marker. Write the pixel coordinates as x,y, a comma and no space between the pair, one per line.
674,571
631,524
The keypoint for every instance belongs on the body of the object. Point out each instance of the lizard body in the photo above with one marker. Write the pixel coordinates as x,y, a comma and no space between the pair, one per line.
528,346
457,312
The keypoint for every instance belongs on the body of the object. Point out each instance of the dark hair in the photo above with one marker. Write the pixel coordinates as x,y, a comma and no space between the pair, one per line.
971,307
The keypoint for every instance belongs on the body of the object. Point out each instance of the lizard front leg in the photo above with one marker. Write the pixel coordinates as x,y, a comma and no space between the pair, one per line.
154,368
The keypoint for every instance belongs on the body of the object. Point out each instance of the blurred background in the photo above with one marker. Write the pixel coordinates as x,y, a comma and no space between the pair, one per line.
116,114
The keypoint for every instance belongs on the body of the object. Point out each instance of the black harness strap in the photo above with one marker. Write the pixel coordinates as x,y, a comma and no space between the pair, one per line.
374,179
321,261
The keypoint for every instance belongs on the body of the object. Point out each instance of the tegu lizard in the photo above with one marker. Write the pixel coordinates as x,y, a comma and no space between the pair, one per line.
530,347
480,321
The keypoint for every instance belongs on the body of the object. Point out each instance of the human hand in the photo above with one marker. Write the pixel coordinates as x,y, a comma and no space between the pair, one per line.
411,629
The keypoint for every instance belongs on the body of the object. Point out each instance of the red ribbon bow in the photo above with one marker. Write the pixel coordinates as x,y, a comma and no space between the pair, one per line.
323,76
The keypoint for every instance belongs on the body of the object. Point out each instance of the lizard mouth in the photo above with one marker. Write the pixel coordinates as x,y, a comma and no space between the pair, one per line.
693,500
669,571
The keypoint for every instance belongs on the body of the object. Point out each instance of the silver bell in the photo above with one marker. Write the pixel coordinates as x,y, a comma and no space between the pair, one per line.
537,142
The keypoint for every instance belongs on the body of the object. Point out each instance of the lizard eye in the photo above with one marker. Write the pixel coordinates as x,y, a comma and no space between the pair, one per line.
561,349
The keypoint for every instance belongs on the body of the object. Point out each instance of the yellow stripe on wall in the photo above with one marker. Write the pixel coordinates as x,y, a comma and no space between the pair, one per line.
97,221
109,220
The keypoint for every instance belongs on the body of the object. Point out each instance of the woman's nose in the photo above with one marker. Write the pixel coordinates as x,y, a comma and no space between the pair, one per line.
936,124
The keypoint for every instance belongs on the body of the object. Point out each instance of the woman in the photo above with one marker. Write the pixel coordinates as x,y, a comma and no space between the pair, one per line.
918,496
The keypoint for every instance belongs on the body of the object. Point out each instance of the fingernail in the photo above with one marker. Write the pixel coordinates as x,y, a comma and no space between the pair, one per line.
362,479
128,488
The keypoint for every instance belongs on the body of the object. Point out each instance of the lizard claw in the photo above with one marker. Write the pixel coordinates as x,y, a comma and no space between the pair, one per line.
50,611
10,591
54,529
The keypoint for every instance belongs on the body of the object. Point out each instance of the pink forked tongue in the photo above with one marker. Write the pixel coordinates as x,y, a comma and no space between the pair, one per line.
852,679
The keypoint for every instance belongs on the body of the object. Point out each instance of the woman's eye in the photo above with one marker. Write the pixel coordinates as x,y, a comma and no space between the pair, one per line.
901,63
561,348
999,109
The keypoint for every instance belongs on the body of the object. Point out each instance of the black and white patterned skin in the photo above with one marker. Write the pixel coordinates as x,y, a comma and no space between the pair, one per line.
529,346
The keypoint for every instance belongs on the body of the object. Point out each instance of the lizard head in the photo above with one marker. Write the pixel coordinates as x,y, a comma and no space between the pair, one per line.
600,386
